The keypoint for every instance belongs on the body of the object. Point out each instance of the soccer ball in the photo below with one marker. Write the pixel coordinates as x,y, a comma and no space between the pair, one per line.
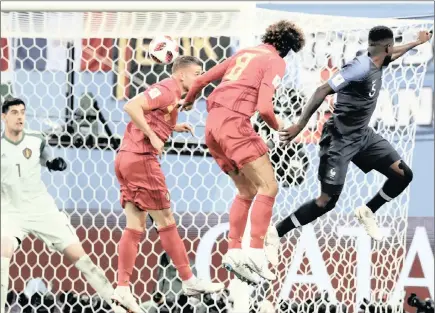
163,50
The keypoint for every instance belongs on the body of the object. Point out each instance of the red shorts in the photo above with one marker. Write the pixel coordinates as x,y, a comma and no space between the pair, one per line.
231,139
142,181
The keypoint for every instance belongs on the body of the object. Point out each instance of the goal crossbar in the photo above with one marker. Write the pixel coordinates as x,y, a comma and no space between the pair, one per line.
123,6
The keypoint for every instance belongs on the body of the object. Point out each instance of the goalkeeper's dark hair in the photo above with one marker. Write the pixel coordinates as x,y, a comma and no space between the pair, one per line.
10,102
185,60
380,34
284,36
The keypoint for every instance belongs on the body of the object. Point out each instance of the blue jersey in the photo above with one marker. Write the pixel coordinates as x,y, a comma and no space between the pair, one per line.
357,86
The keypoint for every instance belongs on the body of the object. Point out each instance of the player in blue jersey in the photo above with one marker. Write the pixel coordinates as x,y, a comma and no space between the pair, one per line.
347,136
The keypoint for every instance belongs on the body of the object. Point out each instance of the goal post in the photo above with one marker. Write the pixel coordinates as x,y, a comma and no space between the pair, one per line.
107,53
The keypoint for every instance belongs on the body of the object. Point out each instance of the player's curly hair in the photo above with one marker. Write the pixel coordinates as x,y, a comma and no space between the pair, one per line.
284,36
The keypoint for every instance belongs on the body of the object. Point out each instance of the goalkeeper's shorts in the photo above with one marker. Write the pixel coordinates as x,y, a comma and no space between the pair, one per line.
42,219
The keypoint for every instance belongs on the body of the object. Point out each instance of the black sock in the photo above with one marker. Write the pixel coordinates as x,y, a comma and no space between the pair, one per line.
305,214
391,189
376,202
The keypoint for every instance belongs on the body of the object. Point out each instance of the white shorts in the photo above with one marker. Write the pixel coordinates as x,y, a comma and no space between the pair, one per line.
43,220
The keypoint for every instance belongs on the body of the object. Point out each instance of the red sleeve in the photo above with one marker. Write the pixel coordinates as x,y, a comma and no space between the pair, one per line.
216,72
271,80
158,97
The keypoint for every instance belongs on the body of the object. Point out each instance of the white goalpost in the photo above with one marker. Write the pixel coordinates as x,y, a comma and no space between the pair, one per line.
76,63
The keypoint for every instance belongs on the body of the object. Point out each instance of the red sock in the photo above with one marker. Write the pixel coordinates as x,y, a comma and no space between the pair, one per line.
260,219
239,212
127,250
174,247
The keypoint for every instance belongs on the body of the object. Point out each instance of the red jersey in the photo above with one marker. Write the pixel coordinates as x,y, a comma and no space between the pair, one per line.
249,80
162,98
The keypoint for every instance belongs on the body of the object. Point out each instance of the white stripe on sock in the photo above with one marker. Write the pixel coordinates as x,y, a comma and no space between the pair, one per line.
295,220
383,195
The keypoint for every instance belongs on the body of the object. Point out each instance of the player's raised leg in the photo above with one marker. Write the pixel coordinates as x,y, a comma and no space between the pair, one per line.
380,155
94,275
335,155
61,237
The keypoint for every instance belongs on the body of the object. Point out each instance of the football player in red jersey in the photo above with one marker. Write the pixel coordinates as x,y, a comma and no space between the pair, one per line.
249,79
143,188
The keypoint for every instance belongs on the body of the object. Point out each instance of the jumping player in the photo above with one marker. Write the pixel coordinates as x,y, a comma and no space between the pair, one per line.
143,188
27,207
346,136
249,79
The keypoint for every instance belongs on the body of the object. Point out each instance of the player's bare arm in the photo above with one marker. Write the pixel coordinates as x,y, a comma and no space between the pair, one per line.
215,73
423,37
135,108
313,104
271,80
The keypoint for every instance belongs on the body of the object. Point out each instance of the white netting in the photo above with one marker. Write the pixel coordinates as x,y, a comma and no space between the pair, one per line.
64,63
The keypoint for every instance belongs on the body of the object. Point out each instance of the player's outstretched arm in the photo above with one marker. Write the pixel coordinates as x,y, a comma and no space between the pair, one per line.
356,70
314,103
215,73
423,36
287,135
271,80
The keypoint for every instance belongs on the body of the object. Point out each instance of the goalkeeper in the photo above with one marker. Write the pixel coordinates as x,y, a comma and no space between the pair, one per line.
27,207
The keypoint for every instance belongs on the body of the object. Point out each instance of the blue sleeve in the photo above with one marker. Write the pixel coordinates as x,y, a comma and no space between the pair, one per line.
355,70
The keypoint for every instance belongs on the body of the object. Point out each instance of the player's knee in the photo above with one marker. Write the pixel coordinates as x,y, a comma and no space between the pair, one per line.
8,246
74,252
327,202
163,218
269,188
408,175
329,197
247,192
323,200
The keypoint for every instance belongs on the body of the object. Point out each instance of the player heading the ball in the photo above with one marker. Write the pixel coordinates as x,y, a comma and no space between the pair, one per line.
27,207
249,80
347,137
143,187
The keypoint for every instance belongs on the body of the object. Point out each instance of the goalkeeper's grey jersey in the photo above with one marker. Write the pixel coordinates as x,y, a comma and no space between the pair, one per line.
21,168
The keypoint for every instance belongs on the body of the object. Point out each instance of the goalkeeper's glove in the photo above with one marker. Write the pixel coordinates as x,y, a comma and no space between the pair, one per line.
57,164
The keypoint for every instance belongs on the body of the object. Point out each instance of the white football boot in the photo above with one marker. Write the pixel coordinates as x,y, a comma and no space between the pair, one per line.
125,299
272,243
235,261
117,308
257,262
195,286
366,217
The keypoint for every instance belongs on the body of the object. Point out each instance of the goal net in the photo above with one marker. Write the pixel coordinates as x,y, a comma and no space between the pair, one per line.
75,70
